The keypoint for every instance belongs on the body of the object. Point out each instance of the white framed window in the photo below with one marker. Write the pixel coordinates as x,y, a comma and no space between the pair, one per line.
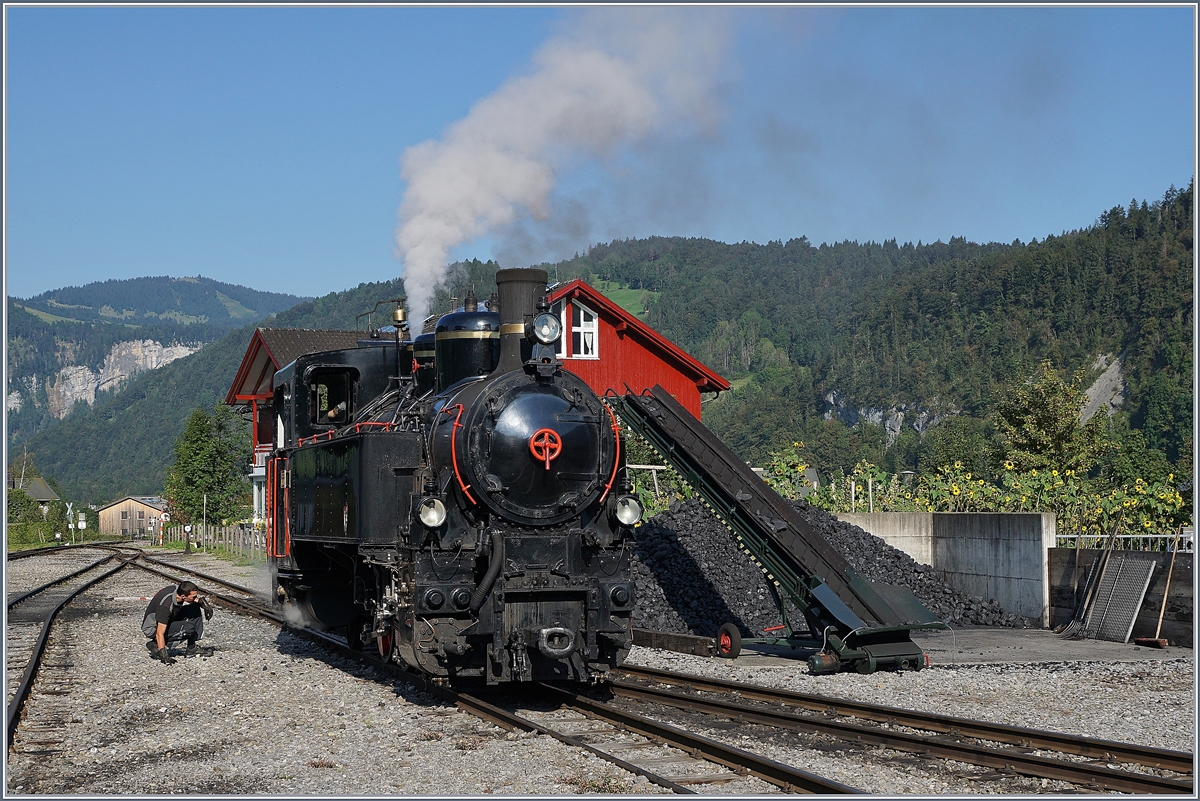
585,332
581,326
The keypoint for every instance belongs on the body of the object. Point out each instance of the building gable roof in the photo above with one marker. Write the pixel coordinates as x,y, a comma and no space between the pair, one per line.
40,491
272,348
153,501
626,324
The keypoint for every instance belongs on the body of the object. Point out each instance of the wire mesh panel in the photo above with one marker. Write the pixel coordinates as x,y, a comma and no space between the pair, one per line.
1119,597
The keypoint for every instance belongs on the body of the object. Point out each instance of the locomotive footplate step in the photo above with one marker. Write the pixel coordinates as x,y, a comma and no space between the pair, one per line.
861,625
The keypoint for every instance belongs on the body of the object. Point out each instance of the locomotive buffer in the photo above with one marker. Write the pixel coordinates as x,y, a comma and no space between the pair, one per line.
853,623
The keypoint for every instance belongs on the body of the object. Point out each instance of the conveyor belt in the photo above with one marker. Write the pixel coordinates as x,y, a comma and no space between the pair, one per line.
864,623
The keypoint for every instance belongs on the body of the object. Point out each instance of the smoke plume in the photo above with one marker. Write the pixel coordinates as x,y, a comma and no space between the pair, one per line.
618,78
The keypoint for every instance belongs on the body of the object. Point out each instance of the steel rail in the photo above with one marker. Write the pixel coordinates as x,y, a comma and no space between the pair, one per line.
468,703
789,778
1161,758
17,705
25,554
512,721
60,580
202,576
1082,773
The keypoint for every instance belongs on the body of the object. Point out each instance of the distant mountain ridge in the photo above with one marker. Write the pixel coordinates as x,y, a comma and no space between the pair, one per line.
156,299
68,346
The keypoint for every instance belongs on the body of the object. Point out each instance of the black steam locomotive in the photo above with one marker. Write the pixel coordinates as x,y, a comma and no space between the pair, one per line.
456,498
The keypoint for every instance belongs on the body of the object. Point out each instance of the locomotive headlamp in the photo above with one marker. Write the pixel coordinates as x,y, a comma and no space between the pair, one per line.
432,512
627,510
547,328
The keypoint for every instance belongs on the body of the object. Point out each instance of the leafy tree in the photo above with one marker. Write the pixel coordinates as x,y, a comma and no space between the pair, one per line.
210,460
1039,421
22,470
959,439
22,508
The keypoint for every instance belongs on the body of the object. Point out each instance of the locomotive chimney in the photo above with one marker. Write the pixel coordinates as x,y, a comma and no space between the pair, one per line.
519,291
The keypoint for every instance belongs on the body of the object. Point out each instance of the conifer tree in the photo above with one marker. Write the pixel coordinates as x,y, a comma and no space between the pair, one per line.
210,459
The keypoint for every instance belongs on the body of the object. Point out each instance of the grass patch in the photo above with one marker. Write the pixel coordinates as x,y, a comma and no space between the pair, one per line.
631,300
237,559
738,383
47,317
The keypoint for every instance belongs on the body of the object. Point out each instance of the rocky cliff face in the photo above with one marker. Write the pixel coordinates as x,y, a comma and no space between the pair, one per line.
1106,394
78,383
892,419
1109,390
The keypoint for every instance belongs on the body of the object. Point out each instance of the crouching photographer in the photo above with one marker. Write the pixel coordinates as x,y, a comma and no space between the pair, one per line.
175,615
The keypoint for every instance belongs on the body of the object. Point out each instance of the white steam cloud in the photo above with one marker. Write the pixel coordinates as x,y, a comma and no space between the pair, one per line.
620,77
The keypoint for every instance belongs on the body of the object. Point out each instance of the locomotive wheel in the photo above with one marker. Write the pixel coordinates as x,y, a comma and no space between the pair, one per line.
729,641
384,644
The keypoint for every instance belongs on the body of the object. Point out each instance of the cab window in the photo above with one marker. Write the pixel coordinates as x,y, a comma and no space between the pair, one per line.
330,398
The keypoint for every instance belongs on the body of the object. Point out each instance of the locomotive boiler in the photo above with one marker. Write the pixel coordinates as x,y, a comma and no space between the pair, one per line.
457,500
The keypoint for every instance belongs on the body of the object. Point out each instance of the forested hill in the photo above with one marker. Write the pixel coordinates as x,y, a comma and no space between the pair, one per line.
151,300
938,326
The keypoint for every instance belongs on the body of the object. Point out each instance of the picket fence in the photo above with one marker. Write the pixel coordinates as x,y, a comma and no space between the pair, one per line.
244,541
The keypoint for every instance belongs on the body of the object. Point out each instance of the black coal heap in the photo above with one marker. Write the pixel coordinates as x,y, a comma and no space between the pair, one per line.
691,576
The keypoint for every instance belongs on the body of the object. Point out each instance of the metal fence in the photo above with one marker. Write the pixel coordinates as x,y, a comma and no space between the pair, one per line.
244,541
1131,542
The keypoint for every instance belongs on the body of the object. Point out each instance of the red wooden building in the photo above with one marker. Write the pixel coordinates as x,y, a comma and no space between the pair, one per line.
609,348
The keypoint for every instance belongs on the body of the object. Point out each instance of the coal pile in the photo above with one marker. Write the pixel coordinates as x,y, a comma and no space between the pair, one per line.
691,577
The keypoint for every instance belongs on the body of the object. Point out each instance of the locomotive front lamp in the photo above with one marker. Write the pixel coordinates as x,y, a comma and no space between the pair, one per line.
432,512
627,510
547,328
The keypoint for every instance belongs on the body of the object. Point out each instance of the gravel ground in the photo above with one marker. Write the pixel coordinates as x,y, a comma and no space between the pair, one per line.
24,574
1149,702
267,713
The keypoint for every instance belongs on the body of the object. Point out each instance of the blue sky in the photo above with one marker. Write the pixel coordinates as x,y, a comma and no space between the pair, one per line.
263,146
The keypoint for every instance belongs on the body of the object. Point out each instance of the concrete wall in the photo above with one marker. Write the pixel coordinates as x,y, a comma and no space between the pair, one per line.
911,532
1001,556
1067,577
990,555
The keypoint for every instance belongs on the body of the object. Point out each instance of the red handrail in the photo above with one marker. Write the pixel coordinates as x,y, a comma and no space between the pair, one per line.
616,454
454,452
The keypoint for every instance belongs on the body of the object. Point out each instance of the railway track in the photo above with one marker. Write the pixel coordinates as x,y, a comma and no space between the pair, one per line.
31,616
665,755
1107,750
1081,761
617,729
